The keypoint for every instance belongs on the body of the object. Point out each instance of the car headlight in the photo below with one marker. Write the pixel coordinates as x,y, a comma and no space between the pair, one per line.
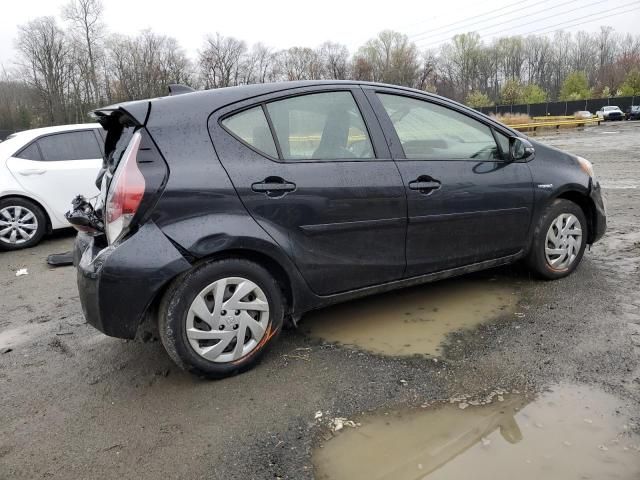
586,166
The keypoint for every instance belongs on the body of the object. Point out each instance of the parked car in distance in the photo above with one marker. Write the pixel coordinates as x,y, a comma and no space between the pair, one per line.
583,115
40,170
632,112
610,112
228,211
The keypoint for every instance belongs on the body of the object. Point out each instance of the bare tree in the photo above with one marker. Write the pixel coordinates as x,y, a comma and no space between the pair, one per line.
511,55
300,63
335,60
45,60
220,61
427,75
460,61
16,104
389,58
85,18
143,66
537,58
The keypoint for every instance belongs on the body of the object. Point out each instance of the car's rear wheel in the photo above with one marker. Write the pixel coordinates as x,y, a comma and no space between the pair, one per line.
217,319
559,240
22,223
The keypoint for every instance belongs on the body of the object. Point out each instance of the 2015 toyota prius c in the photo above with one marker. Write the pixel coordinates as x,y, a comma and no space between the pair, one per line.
225,212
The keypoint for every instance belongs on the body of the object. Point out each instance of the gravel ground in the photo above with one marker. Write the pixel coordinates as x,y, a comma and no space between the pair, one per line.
77,404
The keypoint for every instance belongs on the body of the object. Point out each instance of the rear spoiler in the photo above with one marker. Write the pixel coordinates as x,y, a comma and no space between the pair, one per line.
178,89
129,113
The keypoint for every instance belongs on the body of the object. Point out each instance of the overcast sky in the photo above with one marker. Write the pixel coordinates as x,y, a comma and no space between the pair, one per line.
285,23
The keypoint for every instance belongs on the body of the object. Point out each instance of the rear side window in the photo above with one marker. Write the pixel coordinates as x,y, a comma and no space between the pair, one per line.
251,127
30,152
431,132
320,126
70,146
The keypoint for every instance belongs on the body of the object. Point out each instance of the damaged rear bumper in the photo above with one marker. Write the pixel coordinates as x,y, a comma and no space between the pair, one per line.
117,284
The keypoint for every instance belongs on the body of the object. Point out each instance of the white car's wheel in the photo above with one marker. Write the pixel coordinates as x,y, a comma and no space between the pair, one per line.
22,223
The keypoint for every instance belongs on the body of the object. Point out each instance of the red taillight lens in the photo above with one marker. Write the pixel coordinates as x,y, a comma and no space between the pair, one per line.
125,192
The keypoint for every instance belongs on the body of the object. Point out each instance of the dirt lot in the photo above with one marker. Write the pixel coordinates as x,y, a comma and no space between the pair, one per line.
77,404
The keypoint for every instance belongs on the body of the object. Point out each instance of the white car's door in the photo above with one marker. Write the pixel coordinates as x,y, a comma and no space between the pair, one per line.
55,168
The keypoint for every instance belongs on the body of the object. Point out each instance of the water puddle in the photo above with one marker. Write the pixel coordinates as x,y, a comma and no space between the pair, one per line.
571,432
415,320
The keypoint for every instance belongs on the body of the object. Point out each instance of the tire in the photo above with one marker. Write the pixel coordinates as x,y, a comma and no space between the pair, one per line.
564,255
183,324
20,216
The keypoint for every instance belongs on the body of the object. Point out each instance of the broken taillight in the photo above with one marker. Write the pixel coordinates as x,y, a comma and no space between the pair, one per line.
125,193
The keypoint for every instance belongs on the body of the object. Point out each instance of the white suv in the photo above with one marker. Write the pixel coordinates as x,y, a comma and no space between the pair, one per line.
41,171
610,113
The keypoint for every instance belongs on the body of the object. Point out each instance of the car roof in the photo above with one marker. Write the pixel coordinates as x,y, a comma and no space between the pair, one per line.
194,106
16,141
28,135
213,98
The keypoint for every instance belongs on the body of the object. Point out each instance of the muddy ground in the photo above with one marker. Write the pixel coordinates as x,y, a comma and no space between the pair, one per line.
77,404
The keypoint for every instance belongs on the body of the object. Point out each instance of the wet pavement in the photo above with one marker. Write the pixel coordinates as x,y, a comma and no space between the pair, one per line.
77,404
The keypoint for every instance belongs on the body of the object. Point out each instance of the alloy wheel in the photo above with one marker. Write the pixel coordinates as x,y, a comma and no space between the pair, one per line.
563,241
17,225
227,319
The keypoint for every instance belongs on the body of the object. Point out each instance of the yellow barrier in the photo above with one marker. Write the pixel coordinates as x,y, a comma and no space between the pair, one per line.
557,124
552,117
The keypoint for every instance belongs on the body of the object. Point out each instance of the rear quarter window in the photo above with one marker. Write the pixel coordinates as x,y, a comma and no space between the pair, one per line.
252,128
30,152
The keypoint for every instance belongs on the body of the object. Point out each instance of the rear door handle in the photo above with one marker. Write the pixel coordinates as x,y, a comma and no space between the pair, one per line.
31,171
425,184
273,186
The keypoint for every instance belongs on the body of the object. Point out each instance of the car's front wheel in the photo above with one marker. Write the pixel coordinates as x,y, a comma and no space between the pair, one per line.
559,240
217,319
22,223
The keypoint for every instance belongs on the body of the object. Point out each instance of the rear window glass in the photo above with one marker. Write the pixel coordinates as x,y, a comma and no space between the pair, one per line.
30,152
251,127
70,146
122,139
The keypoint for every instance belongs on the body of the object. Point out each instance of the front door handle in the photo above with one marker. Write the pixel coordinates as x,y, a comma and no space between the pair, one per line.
425,184
273,187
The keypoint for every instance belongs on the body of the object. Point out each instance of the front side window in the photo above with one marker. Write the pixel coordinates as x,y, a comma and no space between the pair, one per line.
320,126
70,146
251,127
431,132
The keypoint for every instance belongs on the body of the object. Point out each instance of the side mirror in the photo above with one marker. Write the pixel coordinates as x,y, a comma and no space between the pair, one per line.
520,149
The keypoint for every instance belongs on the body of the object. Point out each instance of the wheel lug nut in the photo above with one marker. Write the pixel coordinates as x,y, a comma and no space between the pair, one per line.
223,312
221,327
237,312
235,327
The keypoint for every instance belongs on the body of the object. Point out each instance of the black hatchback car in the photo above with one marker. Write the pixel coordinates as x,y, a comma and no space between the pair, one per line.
226,212
632,113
